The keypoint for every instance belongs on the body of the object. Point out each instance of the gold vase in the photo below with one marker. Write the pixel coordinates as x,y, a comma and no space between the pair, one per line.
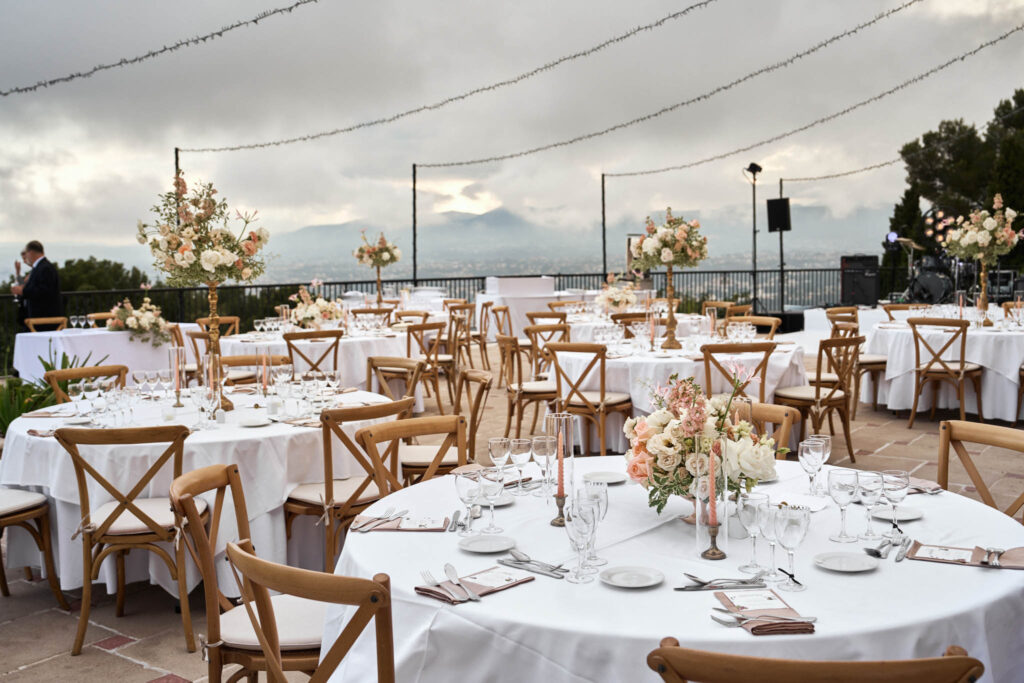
380,295
214,328
670,326
983,296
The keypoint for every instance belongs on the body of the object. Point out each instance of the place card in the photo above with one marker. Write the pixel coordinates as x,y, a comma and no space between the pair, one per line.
936,552
406,524
497,577
751,600
1011,558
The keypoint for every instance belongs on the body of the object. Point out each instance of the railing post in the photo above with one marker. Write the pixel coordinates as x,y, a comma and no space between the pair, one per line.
415,280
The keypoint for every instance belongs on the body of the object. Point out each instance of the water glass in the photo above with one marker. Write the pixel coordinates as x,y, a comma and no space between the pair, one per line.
75,394
766,523
791,524
747,510
895,485
869,490
498,448
842,486
492,484
469,490
544,455
826,453
811,456
580,523
596,491
520,452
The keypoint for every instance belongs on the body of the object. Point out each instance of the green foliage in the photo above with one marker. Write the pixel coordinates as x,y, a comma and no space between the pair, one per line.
18,397
91,274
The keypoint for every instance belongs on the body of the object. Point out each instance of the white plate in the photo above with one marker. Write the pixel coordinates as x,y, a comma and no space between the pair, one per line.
846,562
903,513
610,478
632,577
77,420
484,543
254,422
504,499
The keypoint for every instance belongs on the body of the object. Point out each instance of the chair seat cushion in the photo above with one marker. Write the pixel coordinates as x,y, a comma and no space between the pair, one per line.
441,357
544,387
953,365
300,624
191,367
240,375
421,455
871,359
827,378
805,393
313,493
158,509
18,500
610,398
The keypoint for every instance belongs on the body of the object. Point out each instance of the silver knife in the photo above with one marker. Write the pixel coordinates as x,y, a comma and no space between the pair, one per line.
721,587
453,576
526,566
904,548
373,525
455,520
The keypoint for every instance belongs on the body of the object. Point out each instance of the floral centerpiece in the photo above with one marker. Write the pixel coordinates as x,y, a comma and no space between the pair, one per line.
677,243
983,237
311,309
377,255
616,295
144,323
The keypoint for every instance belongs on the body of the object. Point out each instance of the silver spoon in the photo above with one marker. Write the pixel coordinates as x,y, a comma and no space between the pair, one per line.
523,557
878,552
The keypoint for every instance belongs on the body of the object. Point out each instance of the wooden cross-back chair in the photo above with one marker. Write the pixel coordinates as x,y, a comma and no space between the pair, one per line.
424,343
482,334
387,368
503,326
476,386
772,323
230,638
326,361
627,319
416,462
781,417
930,367
337,501
30,511
370,597
539,336
200,342
411,316
547,317
232,374
61,323
591,406
446,303
232,323
680,665
95,318
131,521
58,379
819,399
386,311
520,391
191,369
953,433
459,339
845,325
557,306
714,365
717,305
892,308
844,314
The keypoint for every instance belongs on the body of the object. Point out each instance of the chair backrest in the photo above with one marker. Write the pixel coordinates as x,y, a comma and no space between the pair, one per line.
844,330
707,305
60,321
446,303
393,303
849,320
334,336
458,329
378,366
546,317
843,311
674,303
737,310
71,439
375,470
929,359
386,311
502,319
254,361
511,361
839,356
476,385
468,310
231,322
890,308
425,339
559,305
627,319
96,317
714,364
539,336
58,379
202,545
679,665
955,432
782,417
566,389
371,597
484,323
768,321
197,338
452,427
177,338
415,316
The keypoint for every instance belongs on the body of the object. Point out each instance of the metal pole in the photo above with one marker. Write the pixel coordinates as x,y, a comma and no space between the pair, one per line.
782,267
177,165
604,232
415,279
753,187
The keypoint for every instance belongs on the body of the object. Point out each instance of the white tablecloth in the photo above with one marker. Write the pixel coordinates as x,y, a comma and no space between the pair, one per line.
582,328
94,343
815,319
999,352
272,461
550,630
518,307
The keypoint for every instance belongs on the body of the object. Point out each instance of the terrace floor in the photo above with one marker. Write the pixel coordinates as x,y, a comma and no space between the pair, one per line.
147,645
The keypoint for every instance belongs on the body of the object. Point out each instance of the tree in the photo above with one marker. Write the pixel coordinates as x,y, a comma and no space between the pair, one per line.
79,275
906,221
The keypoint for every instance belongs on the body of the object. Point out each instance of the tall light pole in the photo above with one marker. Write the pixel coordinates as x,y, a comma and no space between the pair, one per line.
750,173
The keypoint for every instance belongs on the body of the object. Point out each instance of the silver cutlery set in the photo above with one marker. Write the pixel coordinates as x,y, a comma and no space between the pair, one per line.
453,576
883,550
699,584
521,560
374,522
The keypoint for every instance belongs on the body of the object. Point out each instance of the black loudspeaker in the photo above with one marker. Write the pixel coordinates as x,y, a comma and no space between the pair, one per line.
859,280
778,215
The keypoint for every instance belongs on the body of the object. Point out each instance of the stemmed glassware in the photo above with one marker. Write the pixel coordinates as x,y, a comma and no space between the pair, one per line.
492,483
869,490
544,455
166,380
498,448
747,510
596,491
766,523
139,377
519,450
895,485
468,488
811,457
75,393
826,452
842,486
580,523
153,380
790,528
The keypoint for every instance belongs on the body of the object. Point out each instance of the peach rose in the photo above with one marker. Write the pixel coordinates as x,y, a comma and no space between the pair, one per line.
643,432
638,469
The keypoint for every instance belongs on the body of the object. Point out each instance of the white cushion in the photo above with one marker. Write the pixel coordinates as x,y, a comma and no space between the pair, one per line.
421,455
871,359
827,378
300,624
17,500
594,397
343,488
524,342
954,365
240,375
534,387
191,367
805,393
441,357
158,509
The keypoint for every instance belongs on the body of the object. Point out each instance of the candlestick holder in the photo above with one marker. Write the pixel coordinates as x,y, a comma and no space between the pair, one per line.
559,519
713,552
177,399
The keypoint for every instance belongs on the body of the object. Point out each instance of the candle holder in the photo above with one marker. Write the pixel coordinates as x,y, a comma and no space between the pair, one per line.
713,552
559,519
560,426
176,357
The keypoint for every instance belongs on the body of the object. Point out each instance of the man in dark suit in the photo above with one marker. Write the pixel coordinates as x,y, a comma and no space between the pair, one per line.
41,292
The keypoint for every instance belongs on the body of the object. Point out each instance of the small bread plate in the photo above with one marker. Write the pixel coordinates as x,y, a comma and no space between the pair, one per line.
506,498
903,514
610,478
482,543
254,422
846,562
77,420
631,577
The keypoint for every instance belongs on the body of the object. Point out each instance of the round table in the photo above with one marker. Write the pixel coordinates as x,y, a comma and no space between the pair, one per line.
582,327
1000,353
352,351
272,461
552,630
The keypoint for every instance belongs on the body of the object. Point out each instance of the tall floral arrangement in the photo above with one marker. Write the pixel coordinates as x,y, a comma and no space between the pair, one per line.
675,243
616,294
311,308
193,242
983,236
144,323
379,254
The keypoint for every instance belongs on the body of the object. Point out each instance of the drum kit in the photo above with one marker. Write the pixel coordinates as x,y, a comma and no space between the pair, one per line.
937,279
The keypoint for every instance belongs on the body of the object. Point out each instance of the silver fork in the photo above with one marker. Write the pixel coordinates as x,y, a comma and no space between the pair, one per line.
372,519
429,579
992,557
765,617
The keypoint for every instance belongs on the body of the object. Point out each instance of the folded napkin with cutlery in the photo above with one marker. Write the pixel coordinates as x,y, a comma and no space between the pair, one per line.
46,413
303,422
482,583
1011,558
763,605
923,486
42,433
406,523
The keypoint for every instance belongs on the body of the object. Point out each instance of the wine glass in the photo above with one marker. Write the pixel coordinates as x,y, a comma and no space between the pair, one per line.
766,523
810,455
826,453
498,448
139,377
790,528
195,395
468,488
153,380
519,450
749,518
166,379
895,484
842,486
544,455
869,489
75,394
492,484
580,522
596,491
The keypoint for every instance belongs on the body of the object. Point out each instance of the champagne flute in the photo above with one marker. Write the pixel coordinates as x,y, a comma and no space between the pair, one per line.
543,455
519,451
766,523
842,486
596,491
468,488
580,521
826,453
810,455
869,490
790,528
492,483
749,518
895,484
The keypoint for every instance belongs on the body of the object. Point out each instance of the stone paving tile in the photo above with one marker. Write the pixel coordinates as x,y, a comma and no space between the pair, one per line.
92,665
41,635
166,650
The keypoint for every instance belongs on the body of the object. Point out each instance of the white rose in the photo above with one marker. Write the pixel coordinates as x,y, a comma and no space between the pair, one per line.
1010,214
132,323
634,246
955,235
651,246
989,223
660,444
629,428
970,238
984,238
666,255
657,420
755,461
144,323
668,461
385,256
190,257
209,259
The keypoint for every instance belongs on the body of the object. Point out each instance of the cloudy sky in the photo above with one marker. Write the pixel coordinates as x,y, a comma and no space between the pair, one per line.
80,162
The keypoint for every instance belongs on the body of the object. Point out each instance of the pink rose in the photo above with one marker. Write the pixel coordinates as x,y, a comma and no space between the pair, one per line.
643,432
249,247
638,469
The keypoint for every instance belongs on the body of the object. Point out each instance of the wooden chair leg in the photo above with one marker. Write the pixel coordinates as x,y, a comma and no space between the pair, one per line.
51,573
844,417
4,590
935,400
917,395
437,394
536,414
328,543
977,392
509,410
186,611
876,376
519,420
831,425
961,395
601,418
83,614
858,378
119,561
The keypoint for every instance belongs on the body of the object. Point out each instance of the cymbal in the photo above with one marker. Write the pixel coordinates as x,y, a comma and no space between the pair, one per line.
909,242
